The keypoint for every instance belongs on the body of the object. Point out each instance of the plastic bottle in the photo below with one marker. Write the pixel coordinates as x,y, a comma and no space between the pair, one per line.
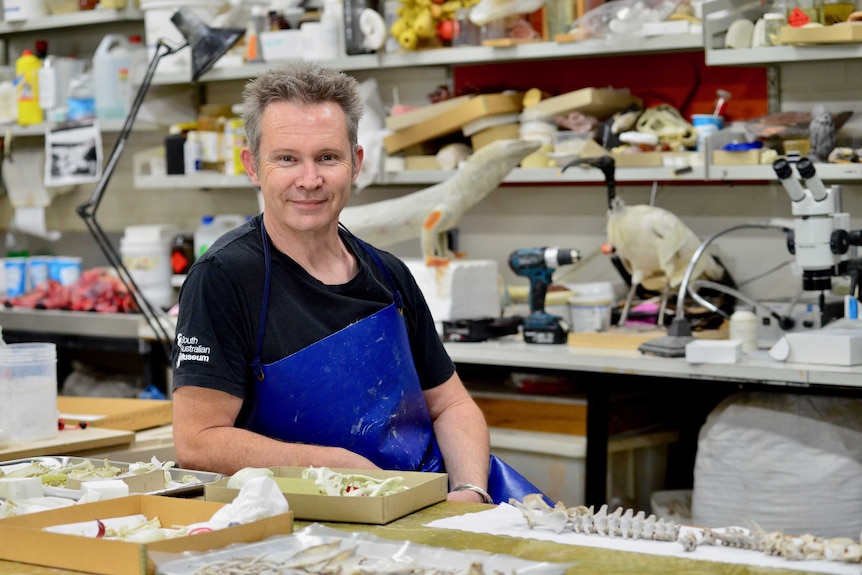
743,327
332,24
112,62
211,229
192,153
27,88
8,99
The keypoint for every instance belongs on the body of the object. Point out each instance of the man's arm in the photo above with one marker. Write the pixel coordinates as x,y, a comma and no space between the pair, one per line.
462,435
205,438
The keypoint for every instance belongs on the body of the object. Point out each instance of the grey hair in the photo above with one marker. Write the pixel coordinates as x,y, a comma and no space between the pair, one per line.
300,83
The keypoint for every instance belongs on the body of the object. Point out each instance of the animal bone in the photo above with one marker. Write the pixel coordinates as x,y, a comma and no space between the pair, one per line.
433,211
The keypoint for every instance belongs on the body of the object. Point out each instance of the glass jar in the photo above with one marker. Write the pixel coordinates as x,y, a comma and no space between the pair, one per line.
772,24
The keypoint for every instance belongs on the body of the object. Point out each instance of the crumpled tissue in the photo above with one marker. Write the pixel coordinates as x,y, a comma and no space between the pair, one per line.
258,498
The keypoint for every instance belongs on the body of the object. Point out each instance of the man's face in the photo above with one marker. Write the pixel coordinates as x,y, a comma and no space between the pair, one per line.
306,165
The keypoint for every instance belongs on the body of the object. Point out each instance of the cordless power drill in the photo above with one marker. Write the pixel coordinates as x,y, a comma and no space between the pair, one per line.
538,264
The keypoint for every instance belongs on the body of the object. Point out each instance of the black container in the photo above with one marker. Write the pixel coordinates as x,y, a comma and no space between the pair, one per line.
174,156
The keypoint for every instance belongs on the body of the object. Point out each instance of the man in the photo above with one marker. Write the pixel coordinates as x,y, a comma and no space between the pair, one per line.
297,344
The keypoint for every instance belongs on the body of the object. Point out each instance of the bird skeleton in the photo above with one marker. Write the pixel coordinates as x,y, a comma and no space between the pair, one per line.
430,213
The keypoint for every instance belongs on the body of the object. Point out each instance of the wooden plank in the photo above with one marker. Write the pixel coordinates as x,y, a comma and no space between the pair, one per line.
126,413
68,442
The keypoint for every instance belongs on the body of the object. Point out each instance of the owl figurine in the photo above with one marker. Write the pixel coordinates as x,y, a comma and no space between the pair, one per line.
821,133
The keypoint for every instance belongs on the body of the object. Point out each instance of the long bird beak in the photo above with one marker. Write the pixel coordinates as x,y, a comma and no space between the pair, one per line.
608,167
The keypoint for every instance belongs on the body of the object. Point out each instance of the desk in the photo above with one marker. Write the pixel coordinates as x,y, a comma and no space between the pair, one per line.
756,370
588,559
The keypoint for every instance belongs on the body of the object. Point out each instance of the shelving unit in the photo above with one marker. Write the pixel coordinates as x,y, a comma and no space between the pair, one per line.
86,18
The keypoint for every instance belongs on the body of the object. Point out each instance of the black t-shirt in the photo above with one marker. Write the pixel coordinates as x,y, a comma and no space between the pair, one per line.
220,307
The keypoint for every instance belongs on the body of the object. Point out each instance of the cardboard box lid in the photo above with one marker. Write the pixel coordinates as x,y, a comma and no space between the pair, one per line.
413,117
116,413
22,538
598,102
424,489
453,120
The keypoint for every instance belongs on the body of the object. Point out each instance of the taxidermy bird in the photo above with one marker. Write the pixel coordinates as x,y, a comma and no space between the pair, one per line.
430,213
653,245
821,133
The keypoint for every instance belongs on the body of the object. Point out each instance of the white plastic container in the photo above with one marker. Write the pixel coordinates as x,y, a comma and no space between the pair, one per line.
744,327
146,253
112,63
211,229
590,306
65,269
19,10
28,386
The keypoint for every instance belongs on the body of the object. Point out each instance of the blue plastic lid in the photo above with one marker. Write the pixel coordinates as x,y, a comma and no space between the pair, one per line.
742,146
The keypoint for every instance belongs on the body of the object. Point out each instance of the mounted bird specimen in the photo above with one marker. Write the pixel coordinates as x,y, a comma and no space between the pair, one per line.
652,244
430,213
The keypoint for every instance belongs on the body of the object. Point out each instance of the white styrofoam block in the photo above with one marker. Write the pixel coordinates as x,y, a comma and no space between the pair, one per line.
464,289
104,489
713,351
826,346
20,487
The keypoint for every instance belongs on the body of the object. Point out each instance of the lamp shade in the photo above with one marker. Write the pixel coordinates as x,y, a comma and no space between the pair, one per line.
207,44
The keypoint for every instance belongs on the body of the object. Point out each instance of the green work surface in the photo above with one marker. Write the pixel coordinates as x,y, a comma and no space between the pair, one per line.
587,559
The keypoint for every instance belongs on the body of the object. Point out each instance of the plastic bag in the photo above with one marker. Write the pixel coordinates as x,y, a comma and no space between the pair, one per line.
622,17
489,10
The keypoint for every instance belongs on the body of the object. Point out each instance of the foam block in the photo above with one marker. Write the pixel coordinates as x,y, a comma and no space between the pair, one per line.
713,351
464,289
101,489
20,487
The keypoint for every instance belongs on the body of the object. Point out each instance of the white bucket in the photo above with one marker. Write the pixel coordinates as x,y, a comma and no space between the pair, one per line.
146,253
590,305
28,386
19,10
158,26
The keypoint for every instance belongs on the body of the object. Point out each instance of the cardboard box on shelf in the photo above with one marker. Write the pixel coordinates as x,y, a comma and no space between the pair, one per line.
598,102
489,135
22,538
115,413
845,32
452,120
423,162
728,158
424,489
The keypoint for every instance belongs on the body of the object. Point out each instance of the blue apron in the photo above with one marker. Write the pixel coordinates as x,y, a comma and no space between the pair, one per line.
357,389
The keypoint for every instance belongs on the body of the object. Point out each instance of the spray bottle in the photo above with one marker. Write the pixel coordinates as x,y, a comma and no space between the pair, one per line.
27,88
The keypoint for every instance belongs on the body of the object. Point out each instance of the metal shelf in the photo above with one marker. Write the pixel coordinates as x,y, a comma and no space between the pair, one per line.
468,55
72,20
105,126
782,54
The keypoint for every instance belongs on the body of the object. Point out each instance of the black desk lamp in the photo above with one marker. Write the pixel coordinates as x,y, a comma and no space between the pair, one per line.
207,45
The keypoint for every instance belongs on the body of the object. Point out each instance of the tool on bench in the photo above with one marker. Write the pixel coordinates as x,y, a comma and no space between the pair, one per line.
538,265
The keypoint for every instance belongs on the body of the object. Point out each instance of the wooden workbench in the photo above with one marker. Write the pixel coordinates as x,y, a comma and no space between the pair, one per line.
589,559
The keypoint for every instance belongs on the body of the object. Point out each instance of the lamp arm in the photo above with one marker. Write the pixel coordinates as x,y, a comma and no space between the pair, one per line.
689,271
162,49
87,210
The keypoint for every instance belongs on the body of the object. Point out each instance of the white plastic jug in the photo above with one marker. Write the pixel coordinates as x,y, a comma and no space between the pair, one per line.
112,63
211,229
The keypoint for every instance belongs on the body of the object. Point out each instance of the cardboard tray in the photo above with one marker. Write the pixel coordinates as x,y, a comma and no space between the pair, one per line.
424,489
22,538
843,33
115,413
453,119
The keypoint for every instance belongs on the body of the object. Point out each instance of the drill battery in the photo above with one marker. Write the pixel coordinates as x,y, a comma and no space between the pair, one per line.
481,329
